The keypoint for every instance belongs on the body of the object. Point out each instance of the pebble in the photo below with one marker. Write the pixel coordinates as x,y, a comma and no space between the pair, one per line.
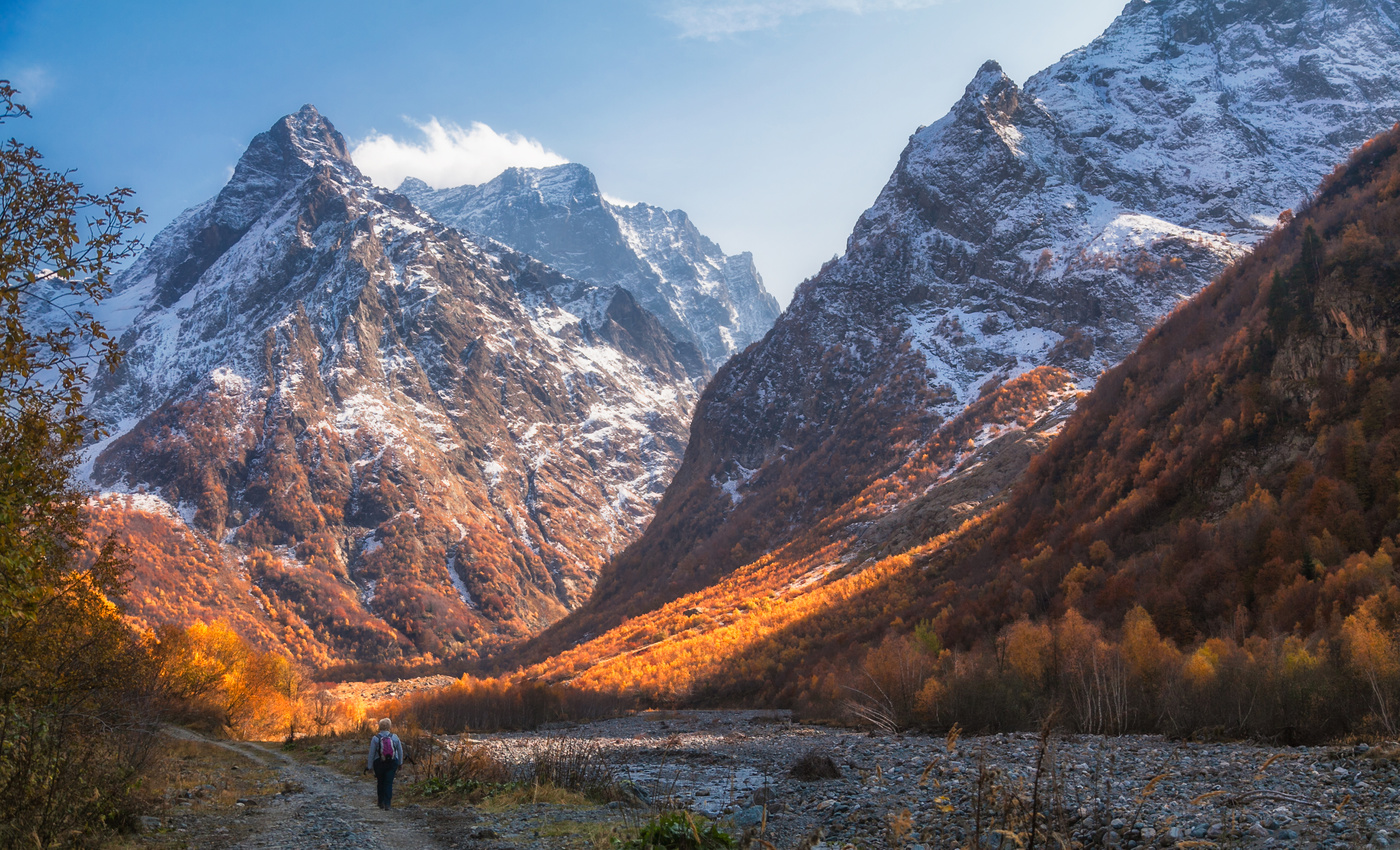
733,765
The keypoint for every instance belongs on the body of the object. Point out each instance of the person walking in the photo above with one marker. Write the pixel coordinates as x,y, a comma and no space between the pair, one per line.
385,756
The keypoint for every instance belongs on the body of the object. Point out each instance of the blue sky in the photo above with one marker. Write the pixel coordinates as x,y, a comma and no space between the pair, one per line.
774,123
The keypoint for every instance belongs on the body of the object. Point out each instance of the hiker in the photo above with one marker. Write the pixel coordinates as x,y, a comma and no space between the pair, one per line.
385,756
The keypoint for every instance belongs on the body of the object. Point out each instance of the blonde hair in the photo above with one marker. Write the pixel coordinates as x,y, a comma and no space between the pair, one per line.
385,725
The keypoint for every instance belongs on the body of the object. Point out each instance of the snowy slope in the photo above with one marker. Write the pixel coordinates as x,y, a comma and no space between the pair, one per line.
1120,178
415,427
1050,224
559,216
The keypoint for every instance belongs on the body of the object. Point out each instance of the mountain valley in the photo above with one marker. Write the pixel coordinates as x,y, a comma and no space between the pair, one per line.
1025,242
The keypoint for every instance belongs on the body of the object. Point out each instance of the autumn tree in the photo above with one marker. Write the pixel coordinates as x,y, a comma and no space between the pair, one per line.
72,724
886,690
1372,653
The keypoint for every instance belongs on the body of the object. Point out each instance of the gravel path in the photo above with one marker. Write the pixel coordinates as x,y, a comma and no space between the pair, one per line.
318,808
329,811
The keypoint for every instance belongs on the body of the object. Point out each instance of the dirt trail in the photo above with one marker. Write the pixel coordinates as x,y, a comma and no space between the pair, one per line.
330,811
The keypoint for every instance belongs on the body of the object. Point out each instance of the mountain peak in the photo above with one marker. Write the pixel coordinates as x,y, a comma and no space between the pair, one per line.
1043,227
989,68
563,185
989,80
312,136
294,147
305,306
411,186
558,215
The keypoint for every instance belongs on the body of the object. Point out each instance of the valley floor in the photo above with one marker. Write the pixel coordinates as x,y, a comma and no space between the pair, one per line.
894,791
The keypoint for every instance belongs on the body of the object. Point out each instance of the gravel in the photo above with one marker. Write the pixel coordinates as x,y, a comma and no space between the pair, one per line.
1129,791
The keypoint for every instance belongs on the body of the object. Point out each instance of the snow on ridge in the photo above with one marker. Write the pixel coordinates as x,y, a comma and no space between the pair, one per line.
696,291
346,343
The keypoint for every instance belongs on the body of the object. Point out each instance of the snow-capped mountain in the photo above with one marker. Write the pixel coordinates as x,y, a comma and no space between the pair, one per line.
402,438
1119,179
1050,224
559,216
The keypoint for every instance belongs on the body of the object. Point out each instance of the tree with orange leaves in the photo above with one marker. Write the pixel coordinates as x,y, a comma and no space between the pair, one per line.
1372,653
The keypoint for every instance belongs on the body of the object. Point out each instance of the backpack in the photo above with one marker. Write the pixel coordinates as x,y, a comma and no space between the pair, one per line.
386,748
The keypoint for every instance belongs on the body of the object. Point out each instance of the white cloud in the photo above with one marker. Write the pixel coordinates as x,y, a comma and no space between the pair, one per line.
449,155
715,18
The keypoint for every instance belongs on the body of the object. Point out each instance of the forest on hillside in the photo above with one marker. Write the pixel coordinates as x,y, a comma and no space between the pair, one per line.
1209,543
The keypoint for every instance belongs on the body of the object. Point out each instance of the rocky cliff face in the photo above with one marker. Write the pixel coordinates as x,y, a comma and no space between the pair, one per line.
406,443
1050,224
1119,179
559,216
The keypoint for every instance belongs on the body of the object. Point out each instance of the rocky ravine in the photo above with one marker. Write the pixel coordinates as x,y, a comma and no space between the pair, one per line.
1047,224
404,443
559,216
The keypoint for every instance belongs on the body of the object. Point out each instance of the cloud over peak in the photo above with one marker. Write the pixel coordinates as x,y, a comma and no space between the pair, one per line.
716,18
449,155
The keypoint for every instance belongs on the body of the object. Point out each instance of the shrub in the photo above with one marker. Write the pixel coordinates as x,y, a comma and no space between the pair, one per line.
679,830
466,769
814,766
885,690
573,764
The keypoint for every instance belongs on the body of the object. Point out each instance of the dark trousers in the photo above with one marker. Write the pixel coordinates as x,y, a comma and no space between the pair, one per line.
384,775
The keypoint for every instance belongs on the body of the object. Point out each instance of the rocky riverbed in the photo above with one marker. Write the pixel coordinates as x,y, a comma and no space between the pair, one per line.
850,789
908,790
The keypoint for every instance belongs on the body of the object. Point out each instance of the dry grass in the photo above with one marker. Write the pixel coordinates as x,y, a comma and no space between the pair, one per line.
530,795
193,766
584,834
200,780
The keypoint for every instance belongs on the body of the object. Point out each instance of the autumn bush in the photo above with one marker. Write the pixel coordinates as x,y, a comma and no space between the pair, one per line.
1283,688
885,690
77,725
211,675
472,704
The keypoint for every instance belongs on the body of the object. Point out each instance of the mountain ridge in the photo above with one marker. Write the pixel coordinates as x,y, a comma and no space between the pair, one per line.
382,440
560,216
1221,509
1044,226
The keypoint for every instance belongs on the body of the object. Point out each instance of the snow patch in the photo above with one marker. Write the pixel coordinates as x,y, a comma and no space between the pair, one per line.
458,584
732,483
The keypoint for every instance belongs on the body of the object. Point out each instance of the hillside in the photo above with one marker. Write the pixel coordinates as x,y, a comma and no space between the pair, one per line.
1235,479
1240,469
1049,225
